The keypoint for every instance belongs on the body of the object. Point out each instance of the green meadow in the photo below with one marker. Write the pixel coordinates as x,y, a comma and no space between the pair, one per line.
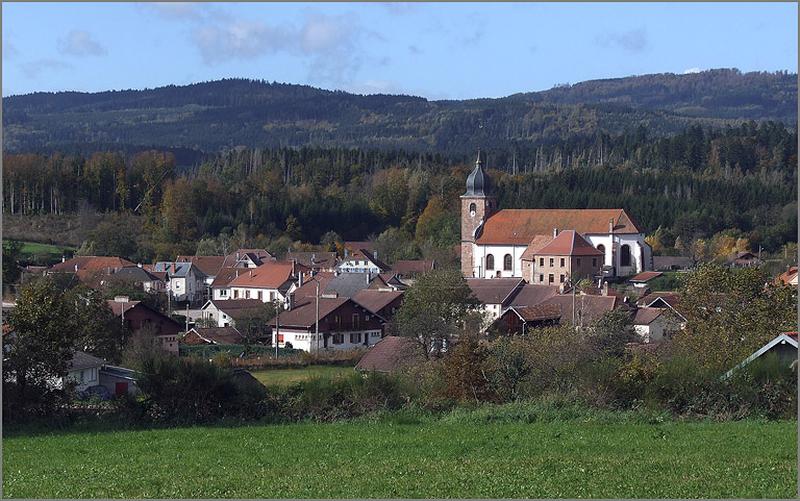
411,457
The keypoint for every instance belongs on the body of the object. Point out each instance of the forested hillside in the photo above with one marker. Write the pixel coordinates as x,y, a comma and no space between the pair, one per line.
208,117
701,191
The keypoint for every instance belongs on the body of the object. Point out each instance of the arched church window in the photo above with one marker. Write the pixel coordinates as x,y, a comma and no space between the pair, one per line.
625,255
490,262
472,209
507,262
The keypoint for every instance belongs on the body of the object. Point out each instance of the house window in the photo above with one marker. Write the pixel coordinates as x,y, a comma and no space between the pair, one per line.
594,262
541,261
472,208
552,262
338,338
561,279
355,337
235,293
355,321
260,297
625,255
507,262
562,262
247,294
337,321
578,262
272,296
223,292
490,262
551,278
541,278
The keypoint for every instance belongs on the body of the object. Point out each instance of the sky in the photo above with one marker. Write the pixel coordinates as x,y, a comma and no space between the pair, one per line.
433,50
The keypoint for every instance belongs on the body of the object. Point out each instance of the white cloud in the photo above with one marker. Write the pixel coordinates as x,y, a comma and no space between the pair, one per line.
35,68
80,43
688,71
632,41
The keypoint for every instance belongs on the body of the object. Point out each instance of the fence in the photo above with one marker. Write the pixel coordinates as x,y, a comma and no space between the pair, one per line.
234,350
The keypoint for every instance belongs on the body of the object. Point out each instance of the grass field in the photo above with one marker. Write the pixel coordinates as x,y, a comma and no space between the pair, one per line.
42,253
411,458
286,377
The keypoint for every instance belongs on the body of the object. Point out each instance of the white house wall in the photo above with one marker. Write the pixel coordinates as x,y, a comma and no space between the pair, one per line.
479,253
303,340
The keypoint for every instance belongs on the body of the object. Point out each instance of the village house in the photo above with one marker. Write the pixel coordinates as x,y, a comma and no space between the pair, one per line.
185,281
139,277
137,316
567,257
381,302
212,335
221,285
408,269
88,268
743,259
640,281
225,312
582,310
783,347
495,294
493,241
248,258
521,319
343,325
652,324
270,282
89,373
209,266
362,261
667,300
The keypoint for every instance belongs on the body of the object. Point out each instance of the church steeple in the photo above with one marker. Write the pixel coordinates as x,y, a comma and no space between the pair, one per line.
478,182
477,205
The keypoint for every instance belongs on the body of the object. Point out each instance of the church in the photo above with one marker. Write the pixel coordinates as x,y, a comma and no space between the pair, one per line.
545,246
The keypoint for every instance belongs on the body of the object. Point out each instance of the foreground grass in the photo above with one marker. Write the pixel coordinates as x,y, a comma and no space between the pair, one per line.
287,377
410,457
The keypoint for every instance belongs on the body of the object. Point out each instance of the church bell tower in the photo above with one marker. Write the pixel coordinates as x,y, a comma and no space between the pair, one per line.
477,204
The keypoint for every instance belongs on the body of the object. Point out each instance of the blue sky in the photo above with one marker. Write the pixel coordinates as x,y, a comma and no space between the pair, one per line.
435,50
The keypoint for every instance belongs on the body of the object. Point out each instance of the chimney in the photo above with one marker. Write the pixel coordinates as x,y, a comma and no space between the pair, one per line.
63,258
290,301
237,272
237,256
375,254
76,268
250,273
555,232
611,226
300,284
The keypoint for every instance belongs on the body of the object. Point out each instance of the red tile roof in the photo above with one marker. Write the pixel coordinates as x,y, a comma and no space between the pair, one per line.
392,353
91,263
494,290
213,335
309,287
531,295
303,312
537,243
646,276
226,275
787,276
588,309
538,312
569,243
209,265
646,316
270,275
376,300
119,307
238,308
519,226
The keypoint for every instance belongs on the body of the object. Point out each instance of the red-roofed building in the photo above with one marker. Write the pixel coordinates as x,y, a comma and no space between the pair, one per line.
490,237
137,316
343,324
568,256
271,281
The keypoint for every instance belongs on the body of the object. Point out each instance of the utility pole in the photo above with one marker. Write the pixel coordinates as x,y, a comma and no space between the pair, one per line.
277,332
187,317
316,322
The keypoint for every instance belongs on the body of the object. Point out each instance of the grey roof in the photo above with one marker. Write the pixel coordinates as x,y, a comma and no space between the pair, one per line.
478,182
348,284
175,269
135,274
82,360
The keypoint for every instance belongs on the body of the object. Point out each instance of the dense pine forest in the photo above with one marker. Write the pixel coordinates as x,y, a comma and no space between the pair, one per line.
693,192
